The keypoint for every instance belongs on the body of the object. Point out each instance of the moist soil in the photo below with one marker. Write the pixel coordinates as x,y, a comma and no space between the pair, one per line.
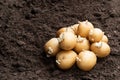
25,26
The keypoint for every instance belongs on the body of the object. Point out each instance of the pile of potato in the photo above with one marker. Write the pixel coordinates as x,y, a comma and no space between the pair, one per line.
80,43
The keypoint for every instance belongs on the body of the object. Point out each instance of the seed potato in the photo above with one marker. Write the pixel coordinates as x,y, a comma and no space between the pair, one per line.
95,35
101,49
64,29
66,59
52,47
86,60
67,40
84,28
104,39
82,44
75,28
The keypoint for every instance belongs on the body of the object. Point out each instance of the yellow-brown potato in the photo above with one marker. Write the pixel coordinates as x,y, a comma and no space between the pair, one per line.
82,44
66,59
86,60
84,28
101,49
52,47
75,28
67,40
104,39
95,35
64,29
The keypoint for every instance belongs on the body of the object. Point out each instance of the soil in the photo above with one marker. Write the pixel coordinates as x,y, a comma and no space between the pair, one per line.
25,26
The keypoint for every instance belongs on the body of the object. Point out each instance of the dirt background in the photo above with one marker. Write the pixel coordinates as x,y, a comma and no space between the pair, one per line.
25,26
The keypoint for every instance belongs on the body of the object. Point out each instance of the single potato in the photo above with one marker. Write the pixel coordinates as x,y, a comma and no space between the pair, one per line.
86,60
101,49
66,59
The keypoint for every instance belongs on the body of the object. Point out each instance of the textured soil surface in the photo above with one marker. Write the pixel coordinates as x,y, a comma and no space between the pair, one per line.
25,26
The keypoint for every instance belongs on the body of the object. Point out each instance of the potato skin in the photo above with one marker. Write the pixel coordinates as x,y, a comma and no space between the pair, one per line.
66,59
86,60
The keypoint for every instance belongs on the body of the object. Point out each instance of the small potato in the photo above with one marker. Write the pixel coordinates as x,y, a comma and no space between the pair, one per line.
86,60
95,35
104,39
75,28
82,44
64,29
67,40
66,59
52,47
101,49
84,28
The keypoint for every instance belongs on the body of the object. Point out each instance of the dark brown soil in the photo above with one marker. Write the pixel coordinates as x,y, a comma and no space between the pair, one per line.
25,26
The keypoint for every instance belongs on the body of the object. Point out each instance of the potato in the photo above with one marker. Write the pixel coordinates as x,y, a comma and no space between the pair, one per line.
86,60
67,40
82,44
84,28
75,28
95,35
101,49
66,59
64,29
52,47
104,39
